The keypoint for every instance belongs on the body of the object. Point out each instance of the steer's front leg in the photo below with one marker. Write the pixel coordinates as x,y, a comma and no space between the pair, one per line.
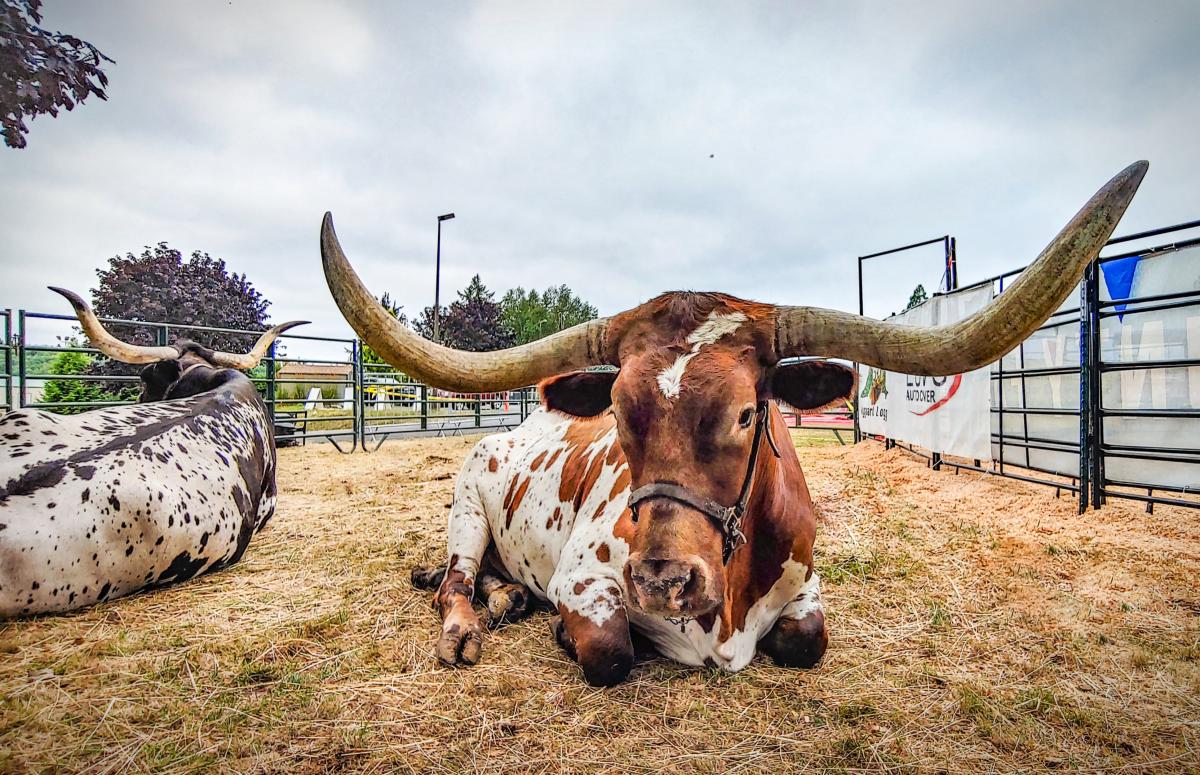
461,638
799,637
593,628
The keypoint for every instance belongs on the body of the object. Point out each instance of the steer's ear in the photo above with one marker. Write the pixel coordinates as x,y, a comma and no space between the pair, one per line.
156,378
813,385
579,393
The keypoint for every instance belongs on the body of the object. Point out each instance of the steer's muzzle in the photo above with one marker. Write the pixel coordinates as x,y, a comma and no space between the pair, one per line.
683,587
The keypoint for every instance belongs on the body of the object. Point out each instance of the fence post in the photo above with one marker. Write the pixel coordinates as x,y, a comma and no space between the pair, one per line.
21,366
478,410
1085,387
424,407
270,386
1095,423
358,394
1000,407
8,361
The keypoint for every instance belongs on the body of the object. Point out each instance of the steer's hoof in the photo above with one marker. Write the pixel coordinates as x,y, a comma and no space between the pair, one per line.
507,604
428,577
559,630
461,643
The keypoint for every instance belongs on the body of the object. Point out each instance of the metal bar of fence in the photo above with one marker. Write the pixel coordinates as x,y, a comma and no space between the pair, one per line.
188,327
1153,233
1154,308
1154,251
1186,414
1153,499
1145,299
1178,363
1158,455
7,344
1164,487
1038,371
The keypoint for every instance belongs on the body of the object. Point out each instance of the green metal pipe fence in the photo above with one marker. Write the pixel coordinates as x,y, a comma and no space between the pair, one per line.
339,400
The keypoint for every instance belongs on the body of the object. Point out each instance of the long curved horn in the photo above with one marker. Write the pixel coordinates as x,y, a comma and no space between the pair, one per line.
251,359
469,372
107,343
989,334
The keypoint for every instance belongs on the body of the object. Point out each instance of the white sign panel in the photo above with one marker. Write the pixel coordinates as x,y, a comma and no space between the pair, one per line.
951,414
1162,332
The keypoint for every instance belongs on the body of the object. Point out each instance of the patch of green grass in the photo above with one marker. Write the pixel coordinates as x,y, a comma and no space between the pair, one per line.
974,703
852,750
252,673
169,754
839,569
852,711
324,626
939,616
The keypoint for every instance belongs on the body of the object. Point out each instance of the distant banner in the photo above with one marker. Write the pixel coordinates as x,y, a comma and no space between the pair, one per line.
943,414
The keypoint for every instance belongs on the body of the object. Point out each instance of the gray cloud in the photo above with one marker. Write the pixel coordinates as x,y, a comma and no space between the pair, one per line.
574,143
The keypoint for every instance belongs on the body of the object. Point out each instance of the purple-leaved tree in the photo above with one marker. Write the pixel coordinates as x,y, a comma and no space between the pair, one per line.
41,71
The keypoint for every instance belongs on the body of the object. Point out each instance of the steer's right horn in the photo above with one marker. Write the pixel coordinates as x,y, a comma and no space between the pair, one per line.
107,343
444,367
251,359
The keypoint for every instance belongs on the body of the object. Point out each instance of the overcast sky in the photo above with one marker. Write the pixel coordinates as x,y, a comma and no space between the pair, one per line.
622,149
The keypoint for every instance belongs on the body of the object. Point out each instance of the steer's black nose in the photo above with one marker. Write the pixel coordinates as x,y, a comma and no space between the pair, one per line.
669,587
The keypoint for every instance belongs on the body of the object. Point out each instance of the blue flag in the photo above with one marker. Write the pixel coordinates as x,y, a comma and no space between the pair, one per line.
1118,276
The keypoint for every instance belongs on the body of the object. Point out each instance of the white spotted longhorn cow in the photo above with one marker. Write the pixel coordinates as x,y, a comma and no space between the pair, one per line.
117,500
661,496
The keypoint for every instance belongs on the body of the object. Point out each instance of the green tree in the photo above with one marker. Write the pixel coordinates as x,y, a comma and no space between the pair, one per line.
918,296
529,315
72,390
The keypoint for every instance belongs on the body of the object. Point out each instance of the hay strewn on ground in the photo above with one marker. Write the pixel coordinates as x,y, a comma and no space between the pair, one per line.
977,625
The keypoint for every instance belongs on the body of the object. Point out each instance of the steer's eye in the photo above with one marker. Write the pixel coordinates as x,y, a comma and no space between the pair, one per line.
746,417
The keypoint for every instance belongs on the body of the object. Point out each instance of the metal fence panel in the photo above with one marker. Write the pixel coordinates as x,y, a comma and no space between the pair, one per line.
1104,399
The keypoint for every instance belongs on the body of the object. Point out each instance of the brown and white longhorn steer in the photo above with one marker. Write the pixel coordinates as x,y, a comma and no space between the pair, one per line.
550,500
714,559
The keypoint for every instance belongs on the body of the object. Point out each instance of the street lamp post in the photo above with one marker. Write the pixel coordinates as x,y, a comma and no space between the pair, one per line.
437,280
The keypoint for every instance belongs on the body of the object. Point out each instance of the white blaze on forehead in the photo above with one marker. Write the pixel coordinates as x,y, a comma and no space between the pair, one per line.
717,325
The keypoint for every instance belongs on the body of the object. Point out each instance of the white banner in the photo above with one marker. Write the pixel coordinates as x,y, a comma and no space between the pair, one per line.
1168,333
950,415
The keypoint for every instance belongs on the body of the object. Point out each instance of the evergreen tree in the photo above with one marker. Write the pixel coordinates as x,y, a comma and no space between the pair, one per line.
918,296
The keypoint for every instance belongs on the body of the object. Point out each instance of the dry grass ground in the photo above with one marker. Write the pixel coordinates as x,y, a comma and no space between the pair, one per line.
977,625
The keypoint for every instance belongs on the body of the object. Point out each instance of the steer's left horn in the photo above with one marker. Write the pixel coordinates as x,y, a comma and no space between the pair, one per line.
251,359
984,337
107,343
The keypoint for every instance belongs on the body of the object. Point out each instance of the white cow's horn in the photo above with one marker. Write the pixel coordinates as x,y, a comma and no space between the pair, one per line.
107,343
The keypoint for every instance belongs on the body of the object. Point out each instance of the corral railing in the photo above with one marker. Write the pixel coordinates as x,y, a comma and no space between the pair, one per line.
316,388
7,361
1104,399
